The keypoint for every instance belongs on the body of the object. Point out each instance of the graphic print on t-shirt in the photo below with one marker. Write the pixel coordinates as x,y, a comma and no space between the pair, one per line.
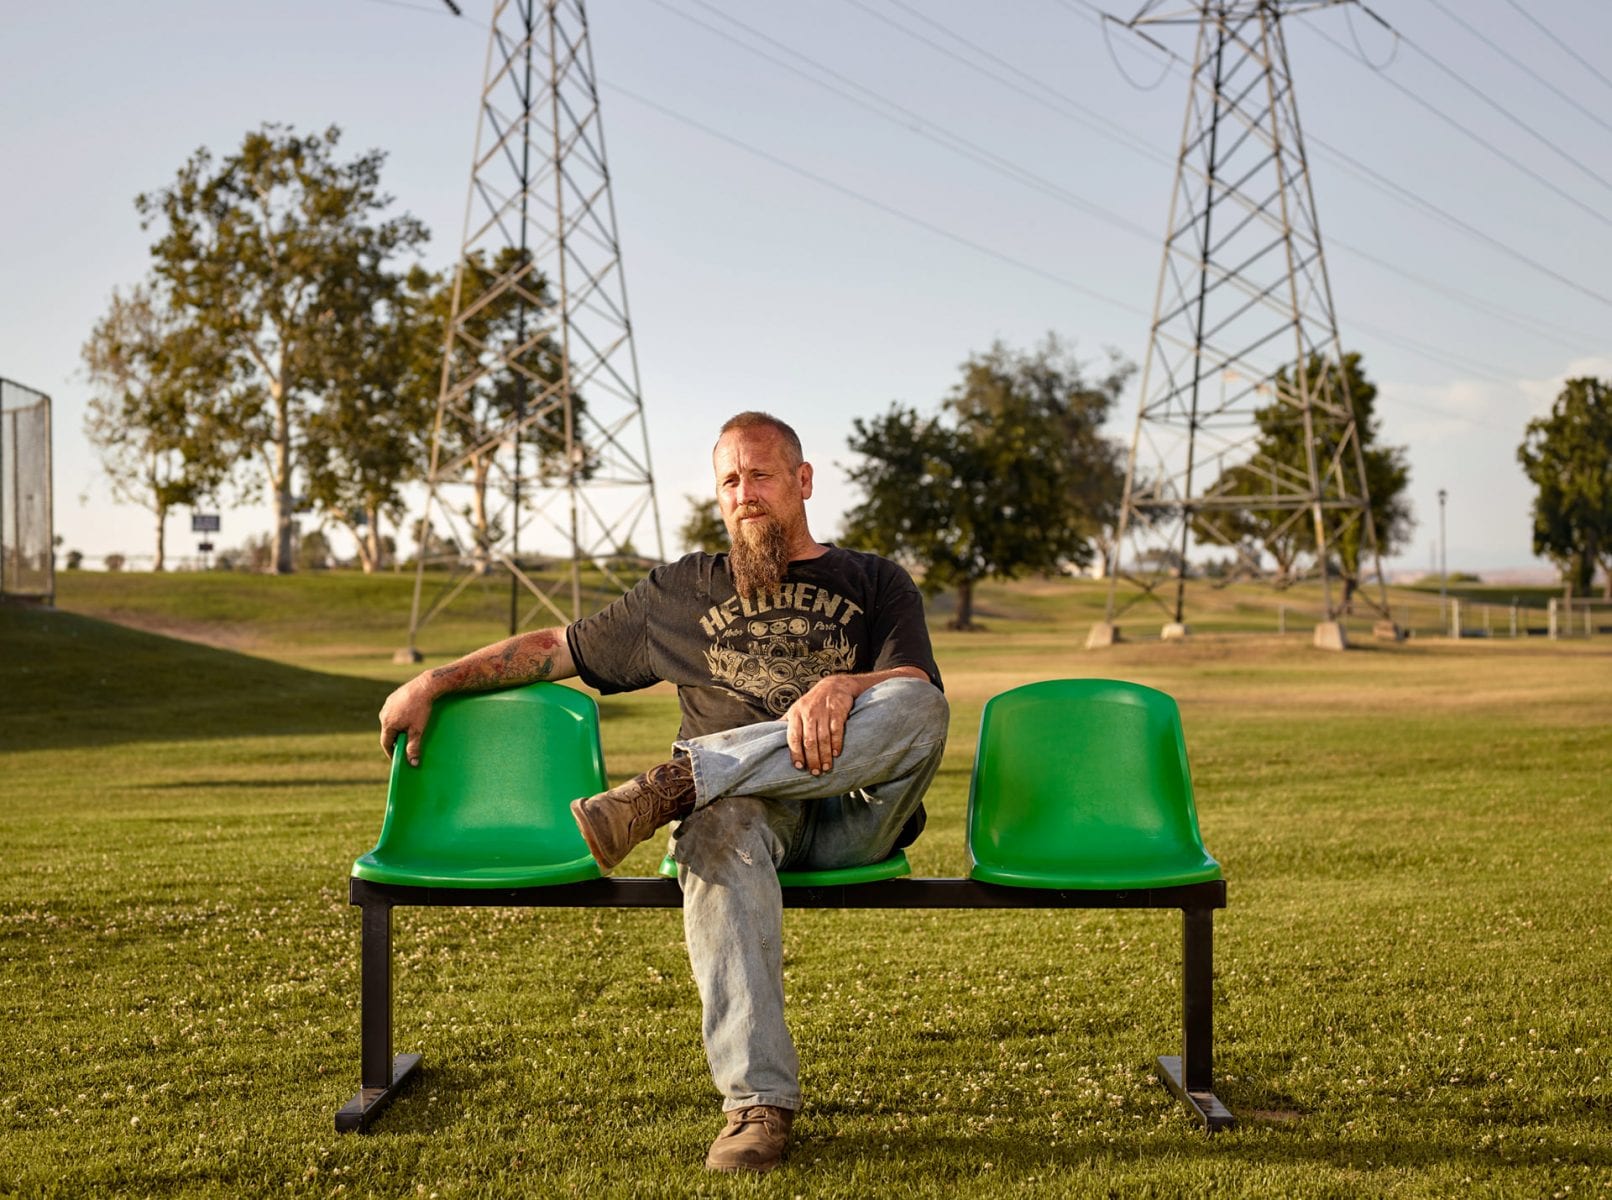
777,646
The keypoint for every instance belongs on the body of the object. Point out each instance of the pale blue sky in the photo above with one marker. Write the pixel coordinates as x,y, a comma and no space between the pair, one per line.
754,286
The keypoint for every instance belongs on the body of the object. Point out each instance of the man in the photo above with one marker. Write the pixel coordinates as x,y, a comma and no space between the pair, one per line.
812,724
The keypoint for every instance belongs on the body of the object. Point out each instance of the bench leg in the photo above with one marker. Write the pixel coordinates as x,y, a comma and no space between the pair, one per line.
381,1075
1191,1076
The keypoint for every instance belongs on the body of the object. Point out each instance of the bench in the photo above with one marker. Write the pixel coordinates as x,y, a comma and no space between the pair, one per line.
1080,797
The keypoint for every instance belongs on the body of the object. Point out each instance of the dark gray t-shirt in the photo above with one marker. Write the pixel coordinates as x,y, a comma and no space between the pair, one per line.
741,661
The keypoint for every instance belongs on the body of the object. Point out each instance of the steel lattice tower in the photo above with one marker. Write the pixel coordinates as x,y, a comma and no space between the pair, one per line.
540,421
1243,344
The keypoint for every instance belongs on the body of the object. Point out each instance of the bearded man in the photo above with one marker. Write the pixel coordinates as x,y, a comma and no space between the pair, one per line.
812,723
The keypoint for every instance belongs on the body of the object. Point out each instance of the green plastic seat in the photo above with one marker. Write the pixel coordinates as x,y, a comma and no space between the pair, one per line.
894,866
1083,784
489,804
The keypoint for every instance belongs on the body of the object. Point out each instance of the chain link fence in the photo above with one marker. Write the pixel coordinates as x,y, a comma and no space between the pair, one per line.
27,568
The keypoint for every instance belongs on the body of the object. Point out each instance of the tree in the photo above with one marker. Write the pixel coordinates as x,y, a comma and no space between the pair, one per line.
1012,476
504,363
1286,534
370,435
273,256
1568,458
153,415
704,530
313,551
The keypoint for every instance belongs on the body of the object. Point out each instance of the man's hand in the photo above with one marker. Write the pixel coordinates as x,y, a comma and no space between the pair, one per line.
817,721
404,714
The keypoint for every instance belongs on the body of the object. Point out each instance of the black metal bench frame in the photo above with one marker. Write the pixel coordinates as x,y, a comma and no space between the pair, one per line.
1190,1075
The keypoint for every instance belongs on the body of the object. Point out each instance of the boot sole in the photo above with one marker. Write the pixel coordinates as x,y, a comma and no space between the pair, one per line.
577,814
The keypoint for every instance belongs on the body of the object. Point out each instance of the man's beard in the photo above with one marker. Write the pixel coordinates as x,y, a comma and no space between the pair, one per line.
760,556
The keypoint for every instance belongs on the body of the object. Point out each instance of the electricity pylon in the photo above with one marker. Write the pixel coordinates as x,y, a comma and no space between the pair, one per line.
1245,434
540,421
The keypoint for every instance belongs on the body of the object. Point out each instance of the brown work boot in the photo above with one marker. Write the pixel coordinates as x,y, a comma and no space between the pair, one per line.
754,1140
613,822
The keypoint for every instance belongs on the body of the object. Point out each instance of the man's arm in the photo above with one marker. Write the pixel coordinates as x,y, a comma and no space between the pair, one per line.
817,719
524,658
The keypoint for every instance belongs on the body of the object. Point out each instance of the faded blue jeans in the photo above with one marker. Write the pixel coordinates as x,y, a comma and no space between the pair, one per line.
756,813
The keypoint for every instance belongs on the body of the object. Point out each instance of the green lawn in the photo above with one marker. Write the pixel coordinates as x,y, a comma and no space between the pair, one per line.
1413,973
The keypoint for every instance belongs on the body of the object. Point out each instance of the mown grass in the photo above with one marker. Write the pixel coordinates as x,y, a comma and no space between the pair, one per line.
1413,972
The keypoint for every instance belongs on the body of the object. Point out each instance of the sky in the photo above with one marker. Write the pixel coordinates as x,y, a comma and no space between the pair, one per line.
822,253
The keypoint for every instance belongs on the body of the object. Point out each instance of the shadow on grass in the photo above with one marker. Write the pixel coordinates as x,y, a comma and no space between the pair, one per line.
68,681
1273,1144
233,784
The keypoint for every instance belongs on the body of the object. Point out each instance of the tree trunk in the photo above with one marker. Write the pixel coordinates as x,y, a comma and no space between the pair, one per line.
480,558
162,534
284,560
375,558
361,544
964,617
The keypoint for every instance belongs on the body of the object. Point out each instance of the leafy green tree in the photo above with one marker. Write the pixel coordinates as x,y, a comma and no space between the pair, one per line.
505,362
273,255
313,551
370,436
1288,535
152,414
1568,458
1011,476
704,530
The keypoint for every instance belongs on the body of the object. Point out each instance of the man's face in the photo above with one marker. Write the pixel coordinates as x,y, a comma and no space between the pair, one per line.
758,484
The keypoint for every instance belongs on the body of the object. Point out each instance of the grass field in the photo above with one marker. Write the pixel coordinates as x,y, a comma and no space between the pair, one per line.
1413,973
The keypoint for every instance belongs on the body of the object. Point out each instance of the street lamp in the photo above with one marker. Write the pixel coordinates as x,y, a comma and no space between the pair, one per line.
1443,563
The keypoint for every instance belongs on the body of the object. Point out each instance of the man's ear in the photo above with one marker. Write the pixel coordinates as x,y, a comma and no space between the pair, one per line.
805,477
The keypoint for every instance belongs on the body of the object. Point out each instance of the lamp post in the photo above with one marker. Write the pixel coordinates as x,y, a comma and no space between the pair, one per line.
1443,563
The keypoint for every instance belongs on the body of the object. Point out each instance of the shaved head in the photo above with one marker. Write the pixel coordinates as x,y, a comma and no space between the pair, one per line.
761,420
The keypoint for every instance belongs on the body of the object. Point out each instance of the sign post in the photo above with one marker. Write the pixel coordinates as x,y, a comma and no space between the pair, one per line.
204,523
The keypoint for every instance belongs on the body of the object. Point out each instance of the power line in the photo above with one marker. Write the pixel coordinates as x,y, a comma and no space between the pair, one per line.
1477,137
880,205
1498,312
909,218
1060,102
1520,65
1006,167
1443,357
1395,191
905,117
435,10
1414,199
1563,46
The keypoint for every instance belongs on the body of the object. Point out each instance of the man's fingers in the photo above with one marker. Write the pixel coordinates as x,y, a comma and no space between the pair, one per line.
825,747
797,750
413,747
836,730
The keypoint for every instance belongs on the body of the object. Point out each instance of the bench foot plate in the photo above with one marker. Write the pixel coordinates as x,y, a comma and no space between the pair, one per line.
1210,1111
363,1108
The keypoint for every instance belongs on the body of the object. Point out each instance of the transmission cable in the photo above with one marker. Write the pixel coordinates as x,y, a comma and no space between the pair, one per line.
1520,65
1477,137
1394,191
1406,196
1439,357
1563,46
1067,105
906,118
880,205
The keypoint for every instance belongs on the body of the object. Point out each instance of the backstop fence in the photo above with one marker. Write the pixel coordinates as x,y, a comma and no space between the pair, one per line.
27,567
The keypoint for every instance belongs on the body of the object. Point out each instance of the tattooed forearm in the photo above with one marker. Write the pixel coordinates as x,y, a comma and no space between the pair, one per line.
521,659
